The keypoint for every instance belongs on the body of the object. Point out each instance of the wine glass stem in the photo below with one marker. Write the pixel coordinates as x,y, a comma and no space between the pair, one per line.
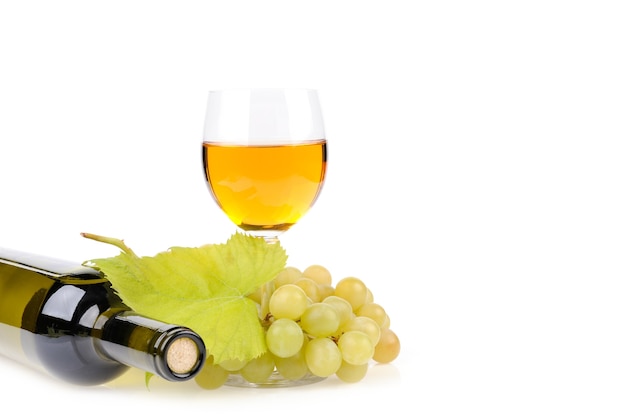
268,288
271,239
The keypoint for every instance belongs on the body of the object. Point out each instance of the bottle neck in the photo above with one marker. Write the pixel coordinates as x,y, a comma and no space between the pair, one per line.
172,352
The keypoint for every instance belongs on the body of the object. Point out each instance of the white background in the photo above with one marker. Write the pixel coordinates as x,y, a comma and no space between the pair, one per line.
476,181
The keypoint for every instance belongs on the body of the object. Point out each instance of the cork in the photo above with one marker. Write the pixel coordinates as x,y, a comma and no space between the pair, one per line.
182,356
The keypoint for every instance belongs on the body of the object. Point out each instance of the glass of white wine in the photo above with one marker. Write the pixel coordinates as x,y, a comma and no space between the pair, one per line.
264,153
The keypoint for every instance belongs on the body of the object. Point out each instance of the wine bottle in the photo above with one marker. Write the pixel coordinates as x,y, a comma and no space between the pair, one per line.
66,319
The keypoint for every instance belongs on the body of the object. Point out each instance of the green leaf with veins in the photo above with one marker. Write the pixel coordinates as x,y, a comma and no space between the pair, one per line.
204,288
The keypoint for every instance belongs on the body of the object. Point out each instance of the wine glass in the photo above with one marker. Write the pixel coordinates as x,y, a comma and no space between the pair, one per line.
264,155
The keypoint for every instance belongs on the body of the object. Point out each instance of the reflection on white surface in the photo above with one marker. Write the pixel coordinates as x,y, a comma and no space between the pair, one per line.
379,376
382,387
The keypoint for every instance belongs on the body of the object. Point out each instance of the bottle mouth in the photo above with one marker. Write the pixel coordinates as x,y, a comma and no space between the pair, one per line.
184,354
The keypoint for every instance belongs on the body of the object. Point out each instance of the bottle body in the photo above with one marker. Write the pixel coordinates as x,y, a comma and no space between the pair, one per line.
67,320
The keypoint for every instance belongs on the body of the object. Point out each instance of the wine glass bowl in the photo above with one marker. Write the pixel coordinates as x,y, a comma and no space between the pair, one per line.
264,155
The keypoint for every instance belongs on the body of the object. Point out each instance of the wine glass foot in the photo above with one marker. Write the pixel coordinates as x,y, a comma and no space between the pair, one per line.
274,380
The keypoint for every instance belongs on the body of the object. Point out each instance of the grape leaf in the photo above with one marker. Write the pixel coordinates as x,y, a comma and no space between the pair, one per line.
204,288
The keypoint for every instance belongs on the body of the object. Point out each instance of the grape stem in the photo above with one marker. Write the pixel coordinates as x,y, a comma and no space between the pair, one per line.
110,240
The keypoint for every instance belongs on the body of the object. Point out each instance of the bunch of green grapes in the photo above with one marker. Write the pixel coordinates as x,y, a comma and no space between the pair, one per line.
314,328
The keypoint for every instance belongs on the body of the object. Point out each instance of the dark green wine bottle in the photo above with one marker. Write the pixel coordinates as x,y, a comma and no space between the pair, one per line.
66,319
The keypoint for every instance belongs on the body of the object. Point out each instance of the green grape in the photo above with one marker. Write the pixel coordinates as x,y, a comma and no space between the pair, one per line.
288,301
365,325
320,320
319,274
386,324
374,311
353,290
310,288
342,306
258,369
356,347
325,291
369,296
322,357
351,373
211,376
284,337
287,275
388,347
232,365
292,368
